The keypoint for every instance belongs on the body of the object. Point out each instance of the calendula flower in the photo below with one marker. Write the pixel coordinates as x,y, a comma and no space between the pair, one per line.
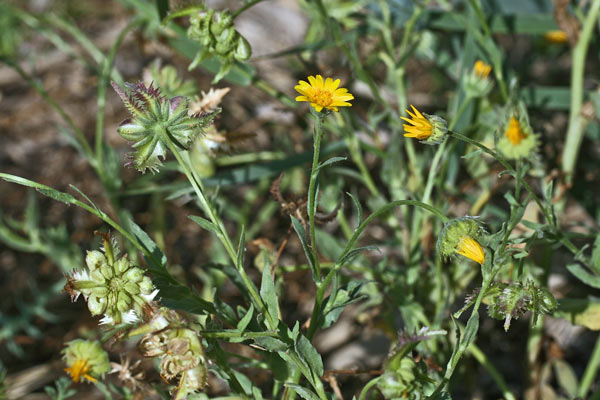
482,69
323,93
112,286
517,139
556,37
85,359
430,129
460,236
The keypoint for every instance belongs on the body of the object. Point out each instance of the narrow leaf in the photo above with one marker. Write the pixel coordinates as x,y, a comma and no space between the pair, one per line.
204,223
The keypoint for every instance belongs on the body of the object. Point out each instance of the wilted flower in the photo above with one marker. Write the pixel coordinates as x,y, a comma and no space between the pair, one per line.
430,129
510,301
85,359
112,286
209,101
124,371
323,93
517,139
460,236
157,121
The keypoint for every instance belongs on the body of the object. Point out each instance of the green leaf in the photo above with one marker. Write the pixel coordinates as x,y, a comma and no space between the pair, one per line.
241,326
472,154
359,210
354,253
584,276
268,294
585,312
344,296
310,356
302,236
330,161
204,223
158,260
595,259
271,344
566,377
303,392
241,248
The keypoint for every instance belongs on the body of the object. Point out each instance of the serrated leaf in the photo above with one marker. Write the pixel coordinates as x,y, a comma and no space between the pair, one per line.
204,223
584,276
303,392
241,326
302,236
268,294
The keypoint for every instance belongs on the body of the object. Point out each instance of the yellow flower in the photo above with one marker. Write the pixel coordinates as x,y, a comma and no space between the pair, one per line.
85,359
471,249
420,127
513,132
323,93
556,37
482,69
430,129
79,370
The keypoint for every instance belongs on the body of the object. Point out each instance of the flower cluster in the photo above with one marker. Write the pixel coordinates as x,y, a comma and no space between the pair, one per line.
157,122
85,359
219,38
112,286
179,349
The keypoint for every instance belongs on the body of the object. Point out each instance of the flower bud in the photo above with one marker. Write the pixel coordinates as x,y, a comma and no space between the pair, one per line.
460,236
85,359
516,140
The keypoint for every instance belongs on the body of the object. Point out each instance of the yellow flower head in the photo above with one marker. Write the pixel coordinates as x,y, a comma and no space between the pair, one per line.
323,93
430,129
482,69
460,236
85,359
513,131
471,249
517,139
556,37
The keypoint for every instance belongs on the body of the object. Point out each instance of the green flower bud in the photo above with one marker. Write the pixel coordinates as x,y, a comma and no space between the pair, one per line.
85,359
157,122
460,236
118,289
477,83
243,51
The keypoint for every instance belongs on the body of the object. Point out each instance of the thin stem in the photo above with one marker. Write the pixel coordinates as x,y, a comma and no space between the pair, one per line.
368,386
590,371
312,195
236,334
222,233
496,376
577,122
245,7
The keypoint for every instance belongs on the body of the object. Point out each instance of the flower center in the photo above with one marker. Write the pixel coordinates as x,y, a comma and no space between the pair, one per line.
322,97
514,133
80,369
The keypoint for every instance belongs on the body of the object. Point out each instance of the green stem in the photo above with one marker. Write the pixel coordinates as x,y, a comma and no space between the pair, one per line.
245,7
590,371
312,195
577,122
236,334
222,232
496,376
368,386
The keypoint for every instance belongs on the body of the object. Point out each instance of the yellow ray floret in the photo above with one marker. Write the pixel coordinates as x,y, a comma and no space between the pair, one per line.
514,133
482,69
420,127
79,370
323,93
471,249
557,37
